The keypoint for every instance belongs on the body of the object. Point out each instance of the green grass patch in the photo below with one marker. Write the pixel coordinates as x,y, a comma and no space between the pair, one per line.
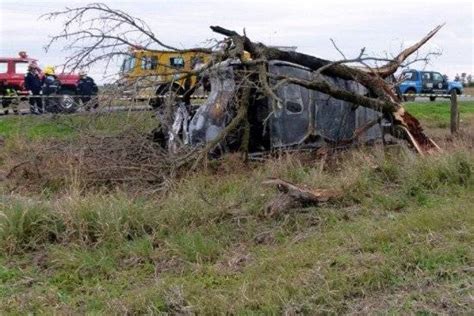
67,126
34,127
437,114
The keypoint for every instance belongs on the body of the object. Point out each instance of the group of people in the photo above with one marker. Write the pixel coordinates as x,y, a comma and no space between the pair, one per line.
44,86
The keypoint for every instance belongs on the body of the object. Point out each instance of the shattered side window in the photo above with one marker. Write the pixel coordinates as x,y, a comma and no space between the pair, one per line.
293,107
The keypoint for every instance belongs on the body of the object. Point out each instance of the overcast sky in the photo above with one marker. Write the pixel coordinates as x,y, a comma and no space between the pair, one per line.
380,26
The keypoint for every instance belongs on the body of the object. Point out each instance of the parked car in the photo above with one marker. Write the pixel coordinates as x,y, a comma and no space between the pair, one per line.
427,82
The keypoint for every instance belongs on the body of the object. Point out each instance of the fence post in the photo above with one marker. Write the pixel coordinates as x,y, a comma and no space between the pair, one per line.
454,113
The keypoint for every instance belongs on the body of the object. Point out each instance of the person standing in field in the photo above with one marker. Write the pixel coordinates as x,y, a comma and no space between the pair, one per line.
50,88
9,99
87,89
33,85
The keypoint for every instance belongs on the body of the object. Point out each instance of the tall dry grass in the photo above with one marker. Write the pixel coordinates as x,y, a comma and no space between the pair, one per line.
368,177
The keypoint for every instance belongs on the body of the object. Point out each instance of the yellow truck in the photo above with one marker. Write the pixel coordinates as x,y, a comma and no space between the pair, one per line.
157,74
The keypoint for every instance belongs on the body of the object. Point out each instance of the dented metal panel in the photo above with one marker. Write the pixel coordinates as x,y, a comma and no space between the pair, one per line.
211,117
335,119
291,123
302,117
363,116
322,116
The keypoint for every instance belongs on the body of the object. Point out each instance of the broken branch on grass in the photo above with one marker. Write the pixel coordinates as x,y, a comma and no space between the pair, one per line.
294,196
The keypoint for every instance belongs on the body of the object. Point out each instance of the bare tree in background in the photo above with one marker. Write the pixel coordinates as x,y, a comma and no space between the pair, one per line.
97,32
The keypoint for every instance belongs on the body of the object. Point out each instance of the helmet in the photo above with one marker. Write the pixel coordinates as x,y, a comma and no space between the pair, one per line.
82,73
48,70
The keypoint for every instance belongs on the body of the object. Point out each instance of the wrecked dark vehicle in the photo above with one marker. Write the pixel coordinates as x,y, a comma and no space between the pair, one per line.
300,118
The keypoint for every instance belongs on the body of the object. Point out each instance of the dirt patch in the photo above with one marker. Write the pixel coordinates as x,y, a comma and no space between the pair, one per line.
469,90
172,265
424,297
234,261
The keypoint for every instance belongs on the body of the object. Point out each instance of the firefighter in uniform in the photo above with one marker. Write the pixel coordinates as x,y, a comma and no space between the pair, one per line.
33,85
88,90
50,88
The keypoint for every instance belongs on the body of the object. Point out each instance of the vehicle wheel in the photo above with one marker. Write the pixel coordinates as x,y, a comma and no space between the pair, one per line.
432,99
67,103
52,103
454,90
167,93
410,97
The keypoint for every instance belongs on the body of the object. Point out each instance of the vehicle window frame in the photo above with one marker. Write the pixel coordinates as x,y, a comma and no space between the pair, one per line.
128,64
149,62
132,63
426,73
124,65
412,73
440,75
153,62
173,64
25,69
6,67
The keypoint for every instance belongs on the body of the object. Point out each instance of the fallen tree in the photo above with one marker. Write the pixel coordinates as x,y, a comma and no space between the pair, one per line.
90,43
382,95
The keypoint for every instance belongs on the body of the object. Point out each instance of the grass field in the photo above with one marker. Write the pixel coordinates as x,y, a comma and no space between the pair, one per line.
69,126
437,114
399,241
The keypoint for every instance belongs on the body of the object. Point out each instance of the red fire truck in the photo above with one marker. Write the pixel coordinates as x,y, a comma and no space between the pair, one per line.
13,70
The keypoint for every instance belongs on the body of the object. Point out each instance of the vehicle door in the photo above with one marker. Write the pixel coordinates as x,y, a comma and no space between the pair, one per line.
440,84
426,82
